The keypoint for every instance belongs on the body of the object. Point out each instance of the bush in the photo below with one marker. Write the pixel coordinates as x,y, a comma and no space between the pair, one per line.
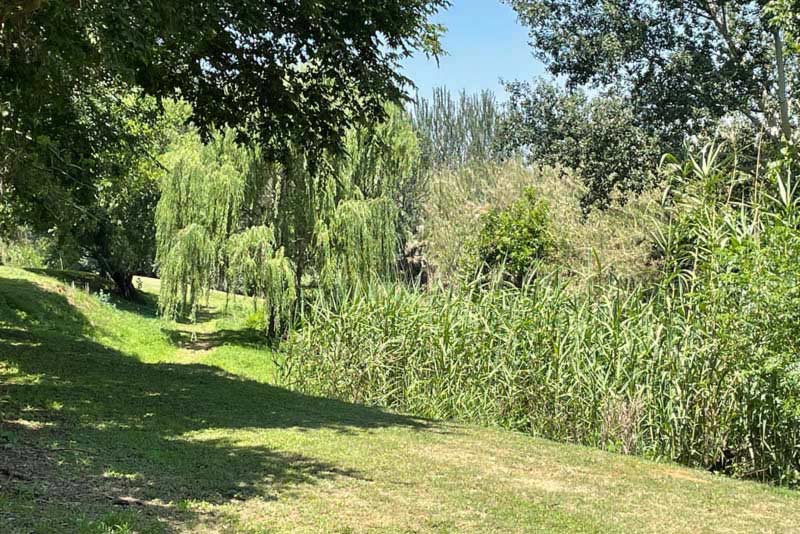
516,238
457,200
25,251
256,321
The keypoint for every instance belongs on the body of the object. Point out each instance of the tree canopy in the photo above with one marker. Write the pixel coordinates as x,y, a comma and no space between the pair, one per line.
301,67
684,63
299,72
598,137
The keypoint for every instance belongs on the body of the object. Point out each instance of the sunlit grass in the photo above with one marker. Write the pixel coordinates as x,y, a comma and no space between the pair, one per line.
112,423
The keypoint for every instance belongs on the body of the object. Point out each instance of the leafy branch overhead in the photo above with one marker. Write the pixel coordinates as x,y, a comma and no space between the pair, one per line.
300,68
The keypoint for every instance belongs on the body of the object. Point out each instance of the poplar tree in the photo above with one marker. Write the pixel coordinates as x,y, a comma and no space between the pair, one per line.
685,64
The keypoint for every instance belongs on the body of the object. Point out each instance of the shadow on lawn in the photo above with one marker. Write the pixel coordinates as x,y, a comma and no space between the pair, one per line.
186,339
145,304
96,425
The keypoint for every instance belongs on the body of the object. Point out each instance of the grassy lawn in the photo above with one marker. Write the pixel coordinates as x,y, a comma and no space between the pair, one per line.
112,420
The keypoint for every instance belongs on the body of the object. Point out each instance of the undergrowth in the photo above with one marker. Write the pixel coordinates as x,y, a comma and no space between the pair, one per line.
699,366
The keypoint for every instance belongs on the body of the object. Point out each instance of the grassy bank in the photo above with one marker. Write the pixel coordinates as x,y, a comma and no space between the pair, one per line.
116,421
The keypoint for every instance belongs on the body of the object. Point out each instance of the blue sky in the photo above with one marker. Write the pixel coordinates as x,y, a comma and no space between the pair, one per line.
485,42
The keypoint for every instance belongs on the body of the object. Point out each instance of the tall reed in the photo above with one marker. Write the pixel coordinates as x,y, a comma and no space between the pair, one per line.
701,366
622,370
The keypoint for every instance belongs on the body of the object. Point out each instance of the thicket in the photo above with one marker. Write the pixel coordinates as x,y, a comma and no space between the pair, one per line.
699,364
609,243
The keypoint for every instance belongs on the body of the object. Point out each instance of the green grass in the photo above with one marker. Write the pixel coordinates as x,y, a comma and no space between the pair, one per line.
112,420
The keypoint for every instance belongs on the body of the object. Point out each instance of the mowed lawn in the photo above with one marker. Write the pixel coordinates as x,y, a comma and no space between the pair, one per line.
112,420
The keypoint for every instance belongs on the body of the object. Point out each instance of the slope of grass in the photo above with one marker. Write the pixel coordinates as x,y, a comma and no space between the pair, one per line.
112,420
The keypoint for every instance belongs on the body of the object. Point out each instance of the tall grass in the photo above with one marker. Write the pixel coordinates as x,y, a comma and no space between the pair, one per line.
700,366
25,250
610,243
624,371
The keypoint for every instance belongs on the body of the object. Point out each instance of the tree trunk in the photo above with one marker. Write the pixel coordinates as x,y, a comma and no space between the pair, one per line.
124,283
298,275
786,128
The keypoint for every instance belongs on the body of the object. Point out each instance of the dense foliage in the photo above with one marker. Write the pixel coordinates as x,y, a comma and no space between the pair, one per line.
300,68
231,218
516,238
293,72
597,137
684,64
700,367
94,192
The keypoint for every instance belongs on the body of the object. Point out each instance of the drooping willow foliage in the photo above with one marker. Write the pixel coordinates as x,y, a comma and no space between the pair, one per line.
228,216
256,266
185,269
359,244
384,161
202,196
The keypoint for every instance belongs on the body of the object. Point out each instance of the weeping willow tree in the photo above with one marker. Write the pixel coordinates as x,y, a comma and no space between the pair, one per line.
201,199
185,270
257,267
229,216
341,218
206,234
359,244
384,161
307,187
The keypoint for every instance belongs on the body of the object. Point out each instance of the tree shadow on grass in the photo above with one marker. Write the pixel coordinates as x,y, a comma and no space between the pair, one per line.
145,304
246,337
95,427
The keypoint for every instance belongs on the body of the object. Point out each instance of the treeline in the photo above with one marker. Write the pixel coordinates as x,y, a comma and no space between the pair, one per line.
85,90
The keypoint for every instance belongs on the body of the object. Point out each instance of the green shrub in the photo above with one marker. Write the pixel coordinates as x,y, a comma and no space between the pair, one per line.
256,321
25,252
516,238
456,201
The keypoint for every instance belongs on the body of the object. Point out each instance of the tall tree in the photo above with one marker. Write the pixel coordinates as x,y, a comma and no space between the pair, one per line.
598,137
456,130
308,68
95,191
683,62
299,70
